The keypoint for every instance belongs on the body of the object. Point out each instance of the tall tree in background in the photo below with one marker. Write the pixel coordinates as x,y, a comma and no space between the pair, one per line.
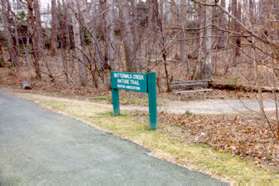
38,26
252,11
276,12
6,16
205,14
182,20
1,56
222,25
236,11
53,39
64,34
155,23
35,32
103,17
127,34
110,36
137,35
206,71
76,23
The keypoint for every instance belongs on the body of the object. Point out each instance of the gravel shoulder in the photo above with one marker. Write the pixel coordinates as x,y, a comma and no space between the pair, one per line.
210,106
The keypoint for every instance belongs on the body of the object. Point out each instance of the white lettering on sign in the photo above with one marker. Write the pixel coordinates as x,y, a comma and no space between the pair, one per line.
129,76
129,81
134,82
128,87
124,81
138,76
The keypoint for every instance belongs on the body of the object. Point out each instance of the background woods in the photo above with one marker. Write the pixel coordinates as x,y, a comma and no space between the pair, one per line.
77,43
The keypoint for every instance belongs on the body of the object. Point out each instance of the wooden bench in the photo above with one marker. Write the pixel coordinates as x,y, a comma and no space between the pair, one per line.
181,87
192,91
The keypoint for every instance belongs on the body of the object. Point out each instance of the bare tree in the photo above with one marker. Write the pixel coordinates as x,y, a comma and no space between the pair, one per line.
221,25
155,23
207,65
35,33
53,40
252,11
1,56
127,34
205,14
236,11
7,17
182,36
76,16
110,37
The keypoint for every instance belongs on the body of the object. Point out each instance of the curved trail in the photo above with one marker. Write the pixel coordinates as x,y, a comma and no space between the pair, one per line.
39,147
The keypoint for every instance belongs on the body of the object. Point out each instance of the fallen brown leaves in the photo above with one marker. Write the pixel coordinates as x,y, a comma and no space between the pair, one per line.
242,136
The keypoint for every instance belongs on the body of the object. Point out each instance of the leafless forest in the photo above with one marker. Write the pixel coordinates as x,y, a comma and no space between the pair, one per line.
78,43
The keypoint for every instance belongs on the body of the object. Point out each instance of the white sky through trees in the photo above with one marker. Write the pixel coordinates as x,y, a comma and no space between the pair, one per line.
45,3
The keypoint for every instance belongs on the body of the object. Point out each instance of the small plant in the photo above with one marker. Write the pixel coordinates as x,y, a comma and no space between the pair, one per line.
188,113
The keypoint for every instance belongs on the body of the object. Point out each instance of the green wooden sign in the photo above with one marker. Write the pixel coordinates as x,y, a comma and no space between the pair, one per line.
137,82
129,81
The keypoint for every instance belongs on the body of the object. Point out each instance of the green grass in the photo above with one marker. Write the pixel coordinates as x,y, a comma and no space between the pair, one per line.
124,99
162,144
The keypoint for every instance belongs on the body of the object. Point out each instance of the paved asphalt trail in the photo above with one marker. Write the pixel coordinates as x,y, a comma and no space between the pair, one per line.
38,147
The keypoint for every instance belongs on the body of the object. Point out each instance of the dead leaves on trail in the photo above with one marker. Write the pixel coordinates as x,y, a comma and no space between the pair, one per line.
238,135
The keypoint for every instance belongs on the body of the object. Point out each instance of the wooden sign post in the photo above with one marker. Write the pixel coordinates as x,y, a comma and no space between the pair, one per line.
137,82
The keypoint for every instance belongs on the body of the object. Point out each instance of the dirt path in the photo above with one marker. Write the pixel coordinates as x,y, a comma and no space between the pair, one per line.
216,106
209,106
212,106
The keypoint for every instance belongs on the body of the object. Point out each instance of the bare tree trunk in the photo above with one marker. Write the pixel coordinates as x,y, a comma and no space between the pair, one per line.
78,45
6,17
110,34
162,6
15,23
156,27
204,68
252,11
27,54
276,9
34,32
127,34
201,23
182,36
38,27
1,56
65,24
236,11
53,40
107,24
221,24
103,25
206,72
265,10
64,35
